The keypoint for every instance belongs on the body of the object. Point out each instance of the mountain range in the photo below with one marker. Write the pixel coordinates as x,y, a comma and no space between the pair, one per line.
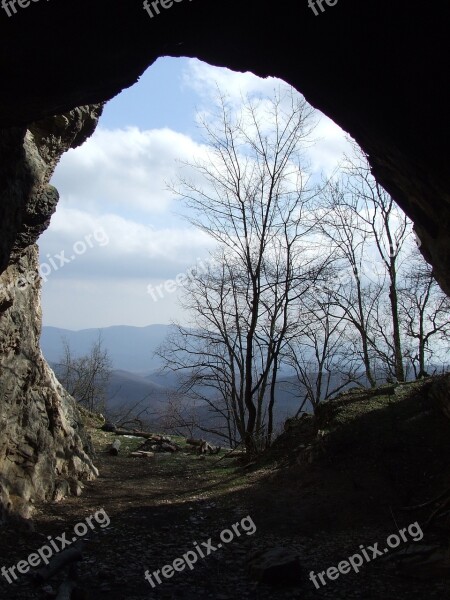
129,348
136,377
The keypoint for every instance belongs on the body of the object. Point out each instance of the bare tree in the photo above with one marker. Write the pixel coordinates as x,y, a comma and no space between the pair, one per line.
318,354
355,298
369,233
86,377
424,311
187,413
208,355
389,228
134,415
252,205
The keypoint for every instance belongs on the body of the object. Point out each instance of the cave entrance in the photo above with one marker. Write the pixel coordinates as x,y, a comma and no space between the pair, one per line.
116,244
117,247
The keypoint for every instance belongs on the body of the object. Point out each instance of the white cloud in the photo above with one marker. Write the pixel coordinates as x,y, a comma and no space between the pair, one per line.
206,79
331,145
124,169
330,140
125,248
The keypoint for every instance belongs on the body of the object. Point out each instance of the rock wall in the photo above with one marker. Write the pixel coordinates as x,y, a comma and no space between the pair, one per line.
42,443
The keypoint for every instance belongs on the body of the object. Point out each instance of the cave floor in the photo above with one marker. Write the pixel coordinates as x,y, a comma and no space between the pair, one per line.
158,507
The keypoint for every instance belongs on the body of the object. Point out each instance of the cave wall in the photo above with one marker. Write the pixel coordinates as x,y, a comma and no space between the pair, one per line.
43,448
376,67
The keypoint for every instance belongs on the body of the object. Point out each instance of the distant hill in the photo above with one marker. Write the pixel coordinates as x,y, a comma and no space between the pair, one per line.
127,389
137,380
136,376
130,348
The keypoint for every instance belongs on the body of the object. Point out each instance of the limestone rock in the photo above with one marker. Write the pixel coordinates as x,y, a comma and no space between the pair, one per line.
42,438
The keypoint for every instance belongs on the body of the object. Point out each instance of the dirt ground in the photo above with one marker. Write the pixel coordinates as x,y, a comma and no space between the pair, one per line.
158,507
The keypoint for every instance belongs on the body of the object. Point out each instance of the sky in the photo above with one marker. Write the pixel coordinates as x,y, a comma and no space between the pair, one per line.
118,228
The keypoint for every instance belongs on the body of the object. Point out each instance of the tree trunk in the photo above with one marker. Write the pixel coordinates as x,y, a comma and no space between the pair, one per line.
363,333
399,370
271,403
